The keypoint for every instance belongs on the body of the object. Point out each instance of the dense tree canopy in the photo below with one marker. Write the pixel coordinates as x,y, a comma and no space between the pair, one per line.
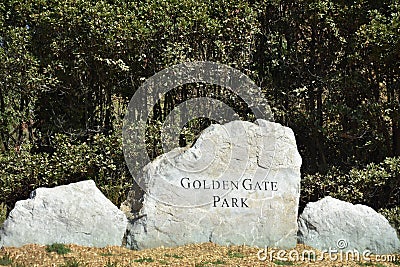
329,69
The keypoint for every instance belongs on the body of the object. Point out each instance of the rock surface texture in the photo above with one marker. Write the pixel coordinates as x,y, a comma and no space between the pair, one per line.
238,184
77,213
334,224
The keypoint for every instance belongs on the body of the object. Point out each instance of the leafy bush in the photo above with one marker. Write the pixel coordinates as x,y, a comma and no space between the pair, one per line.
376,185
99,158
393,216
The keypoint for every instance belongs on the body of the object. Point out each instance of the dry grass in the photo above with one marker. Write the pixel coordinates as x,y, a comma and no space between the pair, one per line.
196,255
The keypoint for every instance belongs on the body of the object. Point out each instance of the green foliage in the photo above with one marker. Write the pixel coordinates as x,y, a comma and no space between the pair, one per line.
58,248
106,254
164,262
283,263
99,158
234,254
3,213
111,264
5,260
208,263
393,216
173,256
320,75
176,256
218,262
141,260
377,185
309,256
329,69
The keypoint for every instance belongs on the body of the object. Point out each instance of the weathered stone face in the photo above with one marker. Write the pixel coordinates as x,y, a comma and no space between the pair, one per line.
332,224
238,184
77,213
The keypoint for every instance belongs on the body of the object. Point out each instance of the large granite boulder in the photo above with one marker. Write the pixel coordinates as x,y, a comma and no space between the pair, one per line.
77,213
330,224
238,184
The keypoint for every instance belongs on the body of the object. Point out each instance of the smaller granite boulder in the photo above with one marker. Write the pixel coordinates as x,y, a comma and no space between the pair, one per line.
332,224
77,213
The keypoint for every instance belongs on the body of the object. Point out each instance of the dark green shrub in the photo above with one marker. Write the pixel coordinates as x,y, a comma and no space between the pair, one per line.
99,158
376,185
393,216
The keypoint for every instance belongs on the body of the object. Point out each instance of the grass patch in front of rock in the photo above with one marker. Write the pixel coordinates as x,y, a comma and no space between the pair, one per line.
111,264
141,260
108,254
5,260
175,256
209,263
60,249
235,254
283,263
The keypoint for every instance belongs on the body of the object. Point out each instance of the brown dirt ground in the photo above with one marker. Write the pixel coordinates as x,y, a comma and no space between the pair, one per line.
196,255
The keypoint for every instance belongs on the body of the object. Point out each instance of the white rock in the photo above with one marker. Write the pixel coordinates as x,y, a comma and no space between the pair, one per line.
334,224
77,213
257,168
